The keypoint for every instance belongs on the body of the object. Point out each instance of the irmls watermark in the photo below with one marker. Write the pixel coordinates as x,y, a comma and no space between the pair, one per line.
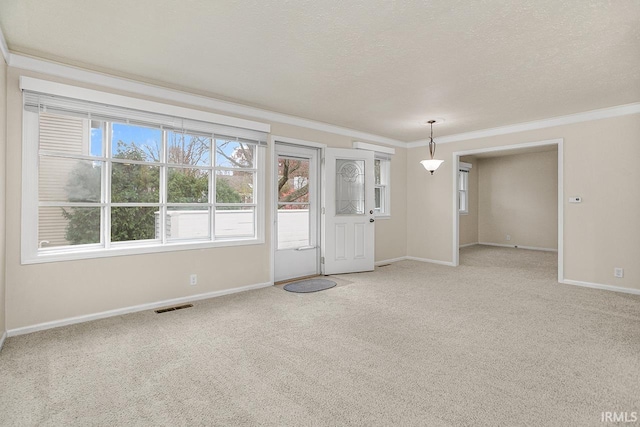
619,417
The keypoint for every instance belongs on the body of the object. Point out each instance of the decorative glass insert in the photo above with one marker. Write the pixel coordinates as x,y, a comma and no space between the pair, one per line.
349,187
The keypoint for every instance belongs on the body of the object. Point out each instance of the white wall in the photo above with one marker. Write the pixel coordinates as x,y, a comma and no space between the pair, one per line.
518,196
3,149
600,165
47,292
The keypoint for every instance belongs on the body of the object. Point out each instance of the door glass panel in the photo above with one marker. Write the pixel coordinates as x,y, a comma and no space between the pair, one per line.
294,229
293,180
349,187
293,226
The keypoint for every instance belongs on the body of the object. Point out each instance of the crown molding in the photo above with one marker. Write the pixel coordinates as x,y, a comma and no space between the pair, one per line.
136,87
603,113
3,47
107,81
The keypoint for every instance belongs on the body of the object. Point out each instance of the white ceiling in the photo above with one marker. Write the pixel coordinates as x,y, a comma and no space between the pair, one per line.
377,66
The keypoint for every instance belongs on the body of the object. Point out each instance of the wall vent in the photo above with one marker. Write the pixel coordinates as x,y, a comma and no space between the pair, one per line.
177,307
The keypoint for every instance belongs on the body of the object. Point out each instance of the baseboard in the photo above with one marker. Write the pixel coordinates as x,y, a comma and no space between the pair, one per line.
468,244
432,261
601,286
389,261
132,309
531,248
2,339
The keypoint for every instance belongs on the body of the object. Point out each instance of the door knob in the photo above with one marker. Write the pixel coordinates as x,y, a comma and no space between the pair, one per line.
371,219
371,211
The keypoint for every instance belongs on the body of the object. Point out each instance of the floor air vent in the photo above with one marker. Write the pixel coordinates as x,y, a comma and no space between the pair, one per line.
177,307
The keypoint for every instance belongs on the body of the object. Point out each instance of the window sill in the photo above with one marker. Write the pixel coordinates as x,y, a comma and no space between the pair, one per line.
74,255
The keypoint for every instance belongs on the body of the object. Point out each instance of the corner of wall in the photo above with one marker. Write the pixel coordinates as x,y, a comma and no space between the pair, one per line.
3,149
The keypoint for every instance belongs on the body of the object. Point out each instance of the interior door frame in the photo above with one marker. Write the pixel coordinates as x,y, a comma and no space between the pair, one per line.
273,140
515,147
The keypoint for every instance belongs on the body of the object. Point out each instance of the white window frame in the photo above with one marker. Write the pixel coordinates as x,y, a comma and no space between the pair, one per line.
383,155
384,187
31,253
463,187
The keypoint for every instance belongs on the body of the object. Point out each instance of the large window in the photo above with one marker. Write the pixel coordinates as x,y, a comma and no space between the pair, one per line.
107,180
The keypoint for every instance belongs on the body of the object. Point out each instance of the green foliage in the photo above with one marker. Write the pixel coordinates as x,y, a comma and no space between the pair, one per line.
133,183
188,186
226,194
133,223
83,226
84,223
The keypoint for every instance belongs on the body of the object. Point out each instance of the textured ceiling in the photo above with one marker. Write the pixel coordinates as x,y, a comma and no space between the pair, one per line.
377,66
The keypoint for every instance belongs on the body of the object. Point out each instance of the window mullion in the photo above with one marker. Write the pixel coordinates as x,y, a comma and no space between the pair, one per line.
106,190
164,185
212,189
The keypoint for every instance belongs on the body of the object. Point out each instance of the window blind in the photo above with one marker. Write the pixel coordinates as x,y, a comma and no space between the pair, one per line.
39,102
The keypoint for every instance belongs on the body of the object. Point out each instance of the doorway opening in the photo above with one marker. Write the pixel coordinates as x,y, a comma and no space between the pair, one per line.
296,213
492,152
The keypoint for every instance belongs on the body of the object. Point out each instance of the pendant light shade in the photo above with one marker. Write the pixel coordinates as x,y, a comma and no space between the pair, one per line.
431,164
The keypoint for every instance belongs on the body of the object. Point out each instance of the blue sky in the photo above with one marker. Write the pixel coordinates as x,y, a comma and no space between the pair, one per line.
142,136
127,133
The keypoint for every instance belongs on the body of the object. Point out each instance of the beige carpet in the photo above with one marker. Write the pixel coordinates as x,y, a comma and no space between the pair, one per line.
495,342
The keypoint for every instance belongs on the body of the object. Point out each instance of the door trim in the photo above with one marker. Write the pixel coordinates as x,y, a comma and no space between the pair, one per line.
273,140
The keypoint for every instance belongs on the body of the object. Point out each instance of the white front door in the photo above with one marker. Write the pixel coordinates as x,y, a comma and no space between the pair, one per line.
348,220
297,204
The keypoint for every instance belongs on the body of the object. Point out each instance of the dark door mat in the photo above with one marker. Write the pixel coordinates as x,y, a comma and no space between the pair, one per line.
309,285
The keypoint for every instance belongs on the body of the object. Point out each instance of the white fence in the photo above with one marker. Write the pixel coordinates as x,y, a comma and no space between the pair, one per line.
293,225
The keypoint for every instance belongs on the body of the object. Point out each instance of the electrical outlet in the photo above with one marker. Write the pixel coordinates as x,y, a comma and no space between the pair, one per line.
508,237
618,272
193,279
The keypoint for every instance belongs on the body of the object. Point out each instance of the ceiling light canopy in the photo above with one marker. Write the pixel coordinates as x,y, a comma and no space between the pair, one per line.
431,164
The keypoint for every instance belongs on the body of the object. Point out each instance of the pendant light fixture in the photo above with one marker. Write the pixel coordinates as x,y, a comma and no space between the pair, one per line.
431,164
